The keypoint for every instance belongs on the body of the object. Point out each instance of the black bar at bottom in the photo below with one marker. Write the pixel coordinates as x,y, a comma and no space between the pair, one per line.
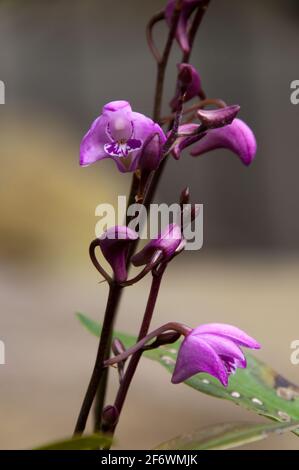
136,459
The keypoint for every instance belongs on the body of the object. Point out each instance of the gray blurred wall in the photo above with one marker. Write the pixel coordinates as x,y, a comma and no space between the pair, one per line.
69,58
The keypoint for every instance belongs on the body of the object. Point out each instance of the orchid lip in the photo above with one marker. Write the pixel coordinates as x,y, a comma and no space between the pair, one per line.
121,131
122,148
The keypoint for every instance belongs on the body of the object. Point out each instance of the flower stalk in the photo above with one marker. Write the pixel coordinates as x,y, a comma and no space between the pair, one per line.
99,369
143,337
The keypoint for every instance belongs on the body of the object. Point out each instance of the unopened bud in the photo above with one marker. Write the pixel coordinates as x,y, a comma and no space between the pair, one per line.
164,338
151,154
213,118
110,416
185,75
189,83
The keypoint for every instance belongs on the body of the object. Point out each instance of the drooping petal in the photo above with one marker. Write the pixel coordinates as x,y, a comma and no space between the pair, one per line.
167,242
237,137
92,145
227,331
114,244
196,355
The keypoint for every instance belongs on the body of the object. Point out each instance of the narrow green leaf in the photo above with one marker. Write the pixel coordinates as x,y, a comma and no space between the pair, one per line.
91,325
95,328
258,388
226,436
91,442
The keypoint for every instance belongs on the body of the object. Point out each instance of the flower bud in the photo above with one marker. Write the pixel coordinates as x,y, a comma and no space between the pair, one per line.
167,243
213,118
110,416
190,81
151,154
115,243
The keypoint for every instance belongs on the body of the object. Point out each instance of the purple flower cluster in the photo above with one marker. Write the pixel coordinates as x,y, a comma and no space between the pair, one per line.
134,141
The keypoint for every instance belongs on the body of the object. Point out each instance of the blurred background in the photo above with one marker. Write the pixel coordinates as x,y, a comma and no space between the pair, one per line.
61,61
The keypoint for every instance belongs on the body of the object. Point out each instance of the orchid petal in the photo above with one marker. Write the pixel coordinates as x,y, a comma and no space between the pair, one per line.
237,137
225,348
227,331
196,355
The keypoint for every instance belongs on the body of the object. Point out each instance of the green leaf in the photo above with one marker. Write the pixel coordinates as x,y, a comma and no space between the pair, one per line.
91,442
226,436
258,388
91,325
95,328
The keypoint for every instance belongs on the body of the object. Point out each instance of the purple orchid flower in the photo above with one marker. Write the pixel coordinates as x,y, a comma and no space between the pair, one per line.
169,241
219,129
189,77
118,133
237,137
187,8
115,243
213,348
210,119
